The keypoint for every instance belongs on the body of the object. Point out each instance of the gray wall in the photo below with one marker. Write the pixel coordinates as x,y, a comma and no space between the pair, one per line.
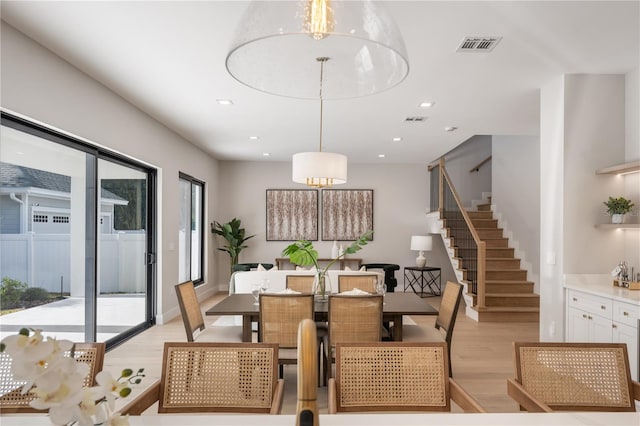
400,200
458,162
516,196
40,85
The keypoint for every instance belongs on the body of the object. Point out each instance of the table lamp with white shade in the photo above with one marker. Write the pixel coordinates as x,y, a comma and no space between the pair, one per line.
421,243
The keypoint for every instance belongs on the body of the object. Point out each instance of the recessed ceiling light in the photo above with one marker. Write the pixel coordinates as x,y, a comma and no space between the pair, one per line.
427,104
397,139
380,155
254,138
450,128
266,154
224,101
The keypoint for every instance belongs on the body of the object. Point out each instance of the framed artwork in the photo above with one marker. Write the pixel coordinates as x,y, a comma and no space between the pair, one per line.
292,214
346,213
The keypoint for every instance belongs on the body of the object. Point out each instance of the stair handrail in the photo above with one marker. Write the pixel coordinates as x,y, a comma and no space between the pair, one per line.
482,254
476,168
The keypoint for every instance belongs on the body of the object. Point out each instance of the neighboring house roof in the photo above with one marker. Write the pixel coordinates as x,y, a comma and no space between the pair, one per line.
14,176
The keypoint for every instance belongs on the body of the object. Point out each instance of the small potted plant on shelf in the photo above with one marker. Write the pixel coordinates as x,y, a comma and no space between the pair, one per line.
302,253
617,208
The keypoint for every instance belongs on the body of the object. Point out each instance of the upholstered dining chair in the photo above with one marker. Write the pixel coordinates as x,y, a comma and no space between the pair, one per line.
214,377
352,319
194,322
395,376
446,320
13,401
573,377
363,282
280,315
300,283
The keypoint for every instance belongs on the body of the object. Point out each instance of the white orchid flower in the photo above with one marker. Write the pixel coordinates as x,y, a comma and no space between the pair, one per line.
110,386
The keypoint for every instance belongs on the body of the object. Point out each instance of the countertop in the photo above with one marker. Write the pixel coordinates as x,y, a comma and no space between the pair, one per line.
602,285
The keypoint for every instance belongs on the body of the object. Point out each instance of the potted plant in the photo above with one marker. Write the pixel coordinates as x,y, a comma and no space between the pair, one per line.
235,236
617,207
302,253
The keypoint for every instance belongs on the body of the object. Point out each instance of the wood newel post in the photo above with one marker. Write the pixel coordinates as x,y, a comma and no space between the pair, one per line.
482,257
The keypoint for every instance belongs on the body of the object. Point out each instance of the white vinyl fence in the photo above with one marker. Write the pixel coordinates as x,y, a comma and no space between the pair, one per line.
44,260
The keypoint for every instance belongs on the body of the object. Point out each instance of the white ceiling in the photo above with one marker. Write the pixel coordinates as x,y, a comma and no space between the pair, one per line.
168,58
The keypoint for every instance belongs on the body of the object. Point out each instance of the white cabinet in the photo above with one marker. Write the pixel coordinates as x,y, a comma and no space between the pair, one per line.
601,319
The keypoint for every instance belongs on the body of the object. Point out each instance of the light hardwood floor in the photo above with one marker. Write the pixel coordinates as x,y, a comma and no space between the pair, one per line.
482,356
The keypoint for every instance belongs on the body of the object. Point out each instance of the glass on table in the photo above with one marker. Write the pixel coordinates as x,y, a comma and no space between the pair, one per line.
256,289
381,288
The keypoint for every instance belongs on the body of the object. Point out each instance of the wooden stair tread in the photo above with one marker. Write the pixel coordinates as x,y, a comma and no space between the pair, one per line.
521,295
508,282
505,270
506,309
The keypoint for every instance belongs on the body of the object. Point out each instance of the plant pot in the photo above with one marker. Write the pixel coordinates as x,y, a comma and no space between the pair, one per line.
321,287
617,218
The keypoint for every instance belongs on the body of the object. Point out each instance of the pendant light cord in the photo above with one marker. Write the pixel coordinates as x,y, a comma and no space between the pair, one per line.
322,60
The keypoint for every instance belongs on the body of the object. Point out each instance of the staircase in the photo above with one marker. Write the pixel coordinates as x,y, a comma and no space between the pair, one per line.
509,297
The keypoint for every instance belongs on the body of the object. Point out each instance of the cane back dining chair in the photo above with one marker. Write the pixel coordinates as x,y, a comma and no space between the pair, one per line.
11,398
352,319
363,282
395,376
573,377
194,322
280,315
300,283
446,320
214,377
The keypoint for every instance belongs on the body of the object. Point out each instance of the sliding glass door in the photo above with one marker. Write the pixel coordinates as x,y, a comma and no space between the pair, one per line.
76,237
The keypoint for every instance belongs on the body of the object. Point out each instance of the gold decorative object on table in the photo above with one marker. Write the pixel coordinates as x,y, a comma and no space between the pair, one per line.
630,285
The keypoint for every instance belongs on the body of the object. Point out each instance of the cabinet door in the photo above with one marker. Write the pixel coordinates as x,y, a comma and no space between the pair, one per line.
623,333
600,329
578,326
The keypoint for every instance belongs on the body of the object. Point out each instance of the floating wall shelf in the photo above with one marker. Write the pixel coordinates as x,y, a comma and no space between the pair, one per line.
618,225
632,167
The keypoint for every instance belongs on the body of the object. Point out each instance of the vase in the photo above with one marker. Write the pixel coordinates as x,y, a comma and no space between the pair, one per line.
321,286
334,250
617,218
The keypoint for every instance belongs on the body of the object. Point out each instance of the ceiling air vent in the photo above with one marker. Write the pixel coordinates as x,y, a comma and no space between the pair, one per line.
415,119
478,44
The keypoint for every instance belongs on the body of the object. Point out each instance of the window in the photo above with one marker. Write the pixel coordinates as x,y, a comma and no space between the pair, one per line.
61,219
40,218
191,235
59,177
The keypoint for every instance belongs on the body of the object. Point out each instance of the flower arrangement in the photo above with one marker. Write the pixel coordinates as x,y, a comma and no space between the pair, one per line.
57,381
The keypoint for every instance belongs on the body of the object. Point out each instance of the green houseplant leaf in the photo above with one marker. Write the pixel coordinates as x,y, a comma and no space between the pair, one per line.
302,253
235,237
618,205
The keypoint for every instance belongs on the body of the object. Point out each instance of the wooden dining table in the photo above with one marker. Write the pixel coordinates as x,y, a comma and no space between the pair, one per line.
395,306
